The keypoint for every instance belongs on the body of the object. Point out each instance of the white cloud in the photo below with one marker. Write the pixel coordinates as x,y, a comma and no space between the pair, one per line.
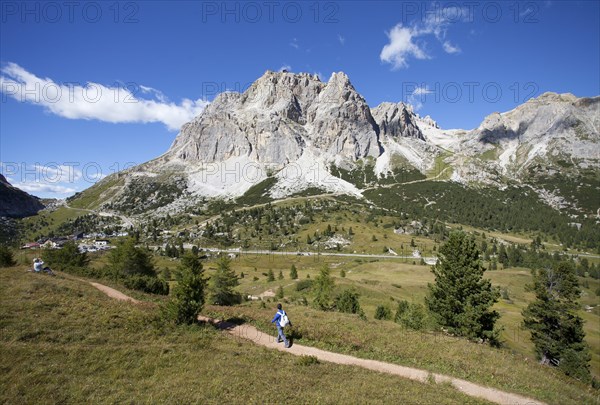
401,46
421,90
417,97
403,39
157,93
39,187
341,39
449,48
294,43
57,173
286,68
93,101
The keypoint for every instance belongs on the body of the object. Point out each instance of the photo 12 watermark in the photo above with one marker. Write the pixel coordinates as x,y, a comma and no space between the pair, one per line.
453,92
525,12
60,172
254,12
52,12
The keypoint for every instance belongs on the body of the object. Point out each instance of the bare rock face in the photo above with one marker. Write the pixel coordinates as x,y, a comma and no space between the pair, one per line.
16,203
551,126
397,121
289,130
342,123
277,117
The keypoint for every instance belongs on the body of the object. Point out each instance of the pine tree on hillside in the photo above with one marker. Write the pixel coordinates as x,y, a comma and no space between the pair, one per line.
556,329
222,283
460,297
127,259
6,257
293,272
503,256
69,257
323,287
187,298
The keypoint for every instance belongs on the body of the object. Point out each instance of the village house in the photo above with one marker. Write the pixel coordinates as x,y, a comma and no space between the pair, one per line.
31,245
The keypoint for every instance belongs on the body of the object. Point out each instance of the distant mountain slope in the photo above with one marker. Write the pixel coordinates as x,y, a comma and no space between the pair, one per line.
16,203
292,132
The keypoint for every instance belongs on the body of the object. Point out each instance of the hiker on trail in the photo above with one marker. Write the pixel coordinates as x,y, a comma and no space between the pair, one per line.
282,321
38,267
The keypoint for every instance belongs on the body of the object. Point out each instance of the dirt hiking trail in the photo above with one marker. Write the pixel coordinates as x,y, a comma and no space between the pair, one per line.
249,332
112,293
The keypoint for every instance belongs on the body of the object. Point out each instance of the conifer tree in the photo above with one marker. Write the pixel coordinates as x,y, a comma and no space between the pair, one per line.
556,329
460,297
187,298
323,287
127,259
293,272
222,283
6,257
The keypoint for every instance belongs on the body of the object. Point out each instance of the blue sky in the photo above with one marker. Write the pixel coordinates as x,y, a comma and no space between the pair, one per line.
88,89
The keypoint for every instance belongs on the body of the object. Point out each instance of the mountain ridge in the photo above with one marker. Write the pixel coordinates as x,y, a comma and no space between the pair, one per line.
16,203
294,131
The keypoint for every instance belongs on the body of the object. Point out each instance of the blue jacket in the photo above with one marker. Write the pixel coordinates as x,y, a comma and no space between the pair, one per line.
278,316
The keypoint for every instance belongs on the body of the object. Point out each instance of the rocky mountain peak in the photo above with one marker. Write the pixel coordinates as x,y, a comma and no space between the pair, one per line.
15,202
295,125
397,120
277,117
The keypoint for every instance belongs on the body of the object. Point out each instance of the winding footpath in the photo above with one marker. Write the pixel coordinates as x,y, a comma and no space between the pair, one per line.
248,332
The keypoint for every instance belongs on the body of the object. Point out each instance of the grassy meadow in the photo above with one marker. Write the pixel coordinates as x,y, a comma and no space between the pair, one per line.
63,341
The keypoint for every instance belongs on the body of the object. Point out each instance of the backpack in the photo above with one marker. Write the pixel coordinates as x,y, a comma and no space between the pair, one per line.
284,320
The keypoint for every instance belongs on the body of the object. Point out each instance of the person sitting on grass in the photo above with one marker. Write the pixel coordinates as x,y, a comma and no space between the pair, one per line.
282,321
38,267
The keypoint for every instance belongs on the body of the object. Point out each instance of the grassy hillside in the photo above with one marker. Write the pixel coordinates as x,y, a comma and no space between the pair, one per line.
46,223
387,341
385,282
100,192
63,341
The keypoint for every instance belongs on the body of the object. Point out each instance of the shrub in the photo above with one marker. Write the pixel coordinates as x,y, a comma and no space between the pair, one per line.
575,363
347,302
383,313
6,257
147,284
307,360
305,284
410,315
401,310
67,259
